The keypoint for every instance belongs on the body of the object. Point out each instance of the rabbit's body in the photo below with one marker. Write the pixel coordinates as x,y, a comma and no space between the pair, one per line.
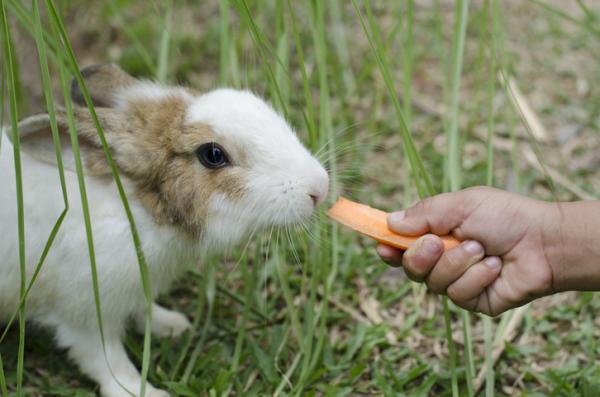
117,265
62,297
200,172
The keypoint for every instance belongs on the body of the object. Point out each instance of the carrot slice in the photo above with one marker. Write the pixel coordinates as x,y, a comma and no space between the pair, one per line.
372,223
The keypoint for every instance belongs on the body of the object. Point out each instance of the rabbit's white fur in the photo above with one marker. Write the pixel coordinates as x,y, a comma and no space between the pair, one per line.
281,180
62,296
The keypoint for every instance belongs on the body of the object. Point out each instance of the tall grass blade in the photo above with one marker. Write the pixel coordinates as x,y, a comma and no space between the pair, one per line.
3,387
11,77
590,24
162,69
135,41
454,159
492,33
309,113
489,360
491,92
282,54
454,150
420,175
340,44
262,47
70,58
46,84
327,268
408,59
225,46
209,290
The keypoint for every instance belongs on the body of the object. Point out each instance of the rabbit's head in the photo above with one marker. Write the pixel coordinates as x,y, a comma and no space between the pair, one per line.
217,165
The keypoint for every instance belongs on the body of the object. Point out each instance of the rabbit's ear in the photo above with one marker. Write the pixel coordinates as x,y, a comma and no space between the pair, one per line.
36,139
103,82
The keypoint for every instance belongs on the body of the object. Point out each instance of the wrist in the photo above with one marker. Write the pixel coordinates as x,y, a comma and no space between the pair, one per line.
571,241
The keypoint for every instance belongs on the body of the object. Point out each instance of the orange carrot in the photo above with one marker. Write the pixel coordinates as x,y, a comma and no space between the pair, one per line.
372,223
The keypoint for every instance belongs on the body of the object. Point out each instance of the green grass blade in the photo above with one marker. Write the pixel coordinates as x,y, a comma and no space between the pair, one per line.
420,175
70,57
3,387
408,60
309,113
135,41
165,41
46,84
451,346
282,54
454,150
210,287
468,348
340,44
260,45
297,329
11,77
27,22
225,46
491,92
489,360
492,33
590,24
288,374
454,165
250,284
323,271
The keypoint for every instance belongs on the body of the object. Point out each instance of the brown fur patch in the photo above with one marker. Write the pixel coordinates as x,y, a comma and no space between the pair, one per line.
102,81
152,147
157,151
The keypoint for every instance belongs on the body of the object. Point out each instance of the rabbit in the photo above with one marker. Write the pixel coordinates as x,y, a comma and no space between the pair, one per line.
201,173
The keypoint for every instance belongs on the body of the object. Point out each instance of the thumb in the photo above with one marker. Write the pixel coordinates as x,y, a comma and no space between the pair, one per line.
438,214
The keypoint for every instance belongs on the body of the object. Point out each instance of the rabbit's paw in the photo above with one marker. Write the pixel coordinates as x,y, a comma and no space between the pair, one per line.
170,323
165,322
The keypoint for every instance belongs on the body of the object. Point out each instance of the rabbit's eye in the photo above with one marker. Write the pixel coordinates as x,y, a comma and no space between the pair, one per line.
212,155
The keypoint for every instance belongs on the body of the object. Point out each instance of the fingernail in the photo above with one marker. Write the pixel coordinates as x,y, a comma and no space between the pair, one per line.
473,247
431,246
493,262
396,217
384,255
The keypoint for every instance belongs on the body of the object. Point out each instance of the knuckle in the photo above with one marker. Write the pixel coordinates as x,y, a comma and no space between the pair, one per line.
453,293
454,258
416,209
428,204
422,207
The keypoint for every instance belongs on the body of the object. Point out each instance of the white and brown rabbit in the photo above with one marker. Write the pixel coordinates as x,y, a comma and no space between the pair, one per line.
201,172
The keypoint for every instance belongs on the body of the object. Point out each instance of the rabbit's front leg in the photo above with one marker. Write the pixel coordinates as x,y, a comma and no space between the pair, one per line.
114,372
165,322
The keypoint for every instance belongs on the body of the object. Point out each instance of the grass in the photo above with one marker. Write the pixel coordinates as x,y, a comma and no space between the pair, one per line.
11,77
315,312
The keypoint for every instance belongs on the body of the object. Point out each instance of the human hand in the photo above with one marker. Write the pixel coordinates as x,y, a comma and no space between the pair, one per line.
501,262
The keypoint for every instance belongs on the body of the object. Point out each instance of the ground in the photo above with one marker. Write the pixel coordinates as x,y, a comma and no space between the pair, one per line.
265,321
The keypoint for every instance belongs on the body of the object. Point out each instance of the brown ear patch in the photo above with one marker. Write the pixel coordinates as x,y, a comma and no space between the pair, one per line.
102,81
37,142
155,150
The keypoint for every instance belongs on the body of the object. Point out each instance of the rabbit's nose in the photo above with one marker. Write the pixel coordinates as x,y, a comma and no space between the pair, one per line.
315,199
319,188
